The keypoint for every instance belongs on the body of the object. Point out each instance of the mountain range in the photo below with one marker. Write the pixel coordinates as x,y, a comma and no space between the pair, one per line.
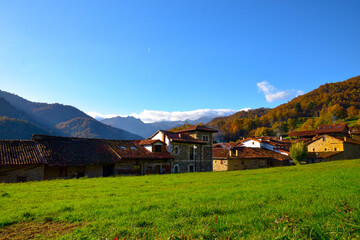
335,102
21,118
145,130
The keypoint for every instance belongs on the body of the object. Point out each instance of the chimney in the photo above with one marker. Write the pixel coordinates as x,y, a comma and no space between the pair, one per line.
280,138
180,135
345,139
163,137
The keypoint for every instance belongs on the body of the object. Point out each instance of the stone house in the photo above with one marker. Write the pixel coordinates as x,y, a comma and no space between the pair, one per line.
232,156
50,157
328,148
191,148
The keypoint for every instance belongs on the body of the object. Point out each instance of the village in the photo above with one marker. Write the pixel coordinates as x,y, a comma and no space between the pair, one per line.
193,149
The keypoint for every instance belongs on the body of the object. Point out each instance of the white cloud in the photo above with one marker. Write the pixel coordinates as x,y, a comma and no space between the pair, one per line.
149,116
272,94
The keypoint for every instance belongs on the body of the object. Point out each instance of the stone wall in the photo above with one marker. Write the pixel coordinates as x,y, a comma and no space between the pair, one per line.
21,173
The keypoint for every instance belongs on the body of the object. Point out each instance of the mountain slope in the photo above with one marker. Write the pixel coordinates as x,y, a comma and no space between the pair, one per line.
328,103
132,125
90,128
56,119
11,128
50,114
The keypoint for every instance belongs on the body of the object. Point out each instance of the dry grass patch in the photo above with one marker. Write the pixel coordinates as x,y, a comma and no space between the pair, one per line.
32,230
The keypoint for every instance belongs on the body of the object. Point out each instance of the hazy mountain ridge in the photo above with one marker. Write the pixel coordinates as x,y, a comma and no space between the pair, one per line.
136,126
56,119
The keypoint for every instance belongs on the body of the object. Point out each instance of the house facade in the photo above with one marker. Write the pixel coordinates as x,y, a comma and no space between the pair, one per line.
50,157
232,156
191,148
334,148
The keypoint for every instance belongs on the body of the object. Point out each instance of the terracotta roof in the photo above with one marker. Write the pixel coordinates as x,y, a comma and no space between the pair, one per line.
19,152
309,133
197,128
182,137
248,153
334,128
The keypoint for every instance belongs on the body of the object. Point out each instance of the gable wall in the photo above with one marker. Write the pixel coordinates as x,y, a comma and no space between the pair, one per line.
330,144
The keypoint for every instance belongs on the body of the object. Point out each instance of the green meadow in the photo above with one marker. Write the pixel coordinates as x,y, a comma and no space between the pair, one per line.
316,201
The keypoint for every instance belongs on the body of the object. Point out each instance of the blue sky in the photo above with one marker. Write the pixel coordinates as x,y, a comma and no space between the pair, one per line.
124,57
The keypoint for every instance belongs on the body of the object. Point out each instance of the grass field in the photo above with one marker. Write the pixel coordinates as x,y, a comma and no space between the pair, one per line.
317,201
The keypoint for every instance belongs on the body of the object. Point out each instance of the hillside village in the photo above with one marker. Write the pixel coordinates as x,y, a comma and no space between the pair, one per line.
192,149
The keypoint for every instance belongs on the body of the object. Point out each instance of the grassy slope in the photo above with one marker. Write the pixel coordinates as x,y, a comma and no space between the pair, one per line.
318,201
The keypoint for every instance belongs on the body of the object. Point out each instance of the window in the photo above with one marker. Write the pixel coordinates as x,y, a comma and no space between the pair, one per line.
253,143
205,138
191,153
313,149
122,147
176,169
325,149
215,161
176,150
323,139
191,168
133,147
157,148
242,162
335,149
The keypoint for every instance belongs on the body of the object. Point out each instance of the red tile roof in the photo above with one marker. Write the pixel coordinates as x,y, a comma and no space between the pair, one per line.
334,128
309,133
19,152
197,128
248,153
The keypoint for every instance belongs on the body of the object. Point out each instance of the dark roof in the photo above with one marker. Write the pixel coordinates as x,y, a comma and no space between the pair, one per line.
65,151
248,153
19,152
182,137
197,128
309,133
75,152
334,128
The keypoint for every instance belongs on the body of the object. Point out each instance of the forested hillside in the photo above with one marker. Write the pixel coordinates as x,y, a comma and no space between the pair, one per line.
334,102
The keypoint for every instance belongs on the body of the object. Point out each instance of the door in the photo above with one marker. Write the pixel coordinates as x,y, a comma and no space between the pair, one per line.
108,170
